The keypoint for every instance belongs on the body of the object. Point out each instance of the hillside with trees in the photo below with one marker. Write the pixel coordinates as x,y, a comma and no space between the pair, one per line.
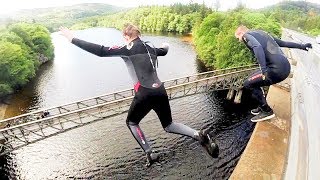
176,18
213,32
54,17
298,15
22,48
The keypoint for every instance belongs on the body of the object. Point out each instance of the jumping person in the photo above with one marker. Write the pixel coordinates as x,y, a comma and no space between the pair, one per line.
274,66
141,61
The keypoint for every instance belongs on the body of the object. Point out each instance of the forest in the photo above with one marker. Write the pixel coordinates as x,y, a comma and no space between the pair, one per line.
212,30
175,18
23,47
297,15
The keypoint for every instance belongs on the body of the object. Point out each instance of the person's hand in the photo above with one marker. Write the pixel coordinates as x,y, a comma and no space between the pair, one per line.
165,45
306,46
66,33
264,75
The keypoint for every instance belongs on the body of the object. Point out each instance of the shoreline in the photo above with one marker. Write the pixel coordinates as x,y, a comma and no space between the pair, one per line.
3,108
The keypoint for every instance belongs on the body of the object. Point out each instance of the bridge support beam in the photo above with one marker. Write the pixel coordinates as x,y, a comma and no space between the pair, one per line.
230,94
238,96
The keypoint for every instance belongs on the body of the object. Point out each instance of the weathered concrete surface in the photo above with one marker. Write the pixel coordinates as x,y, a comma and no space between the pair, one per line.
265,156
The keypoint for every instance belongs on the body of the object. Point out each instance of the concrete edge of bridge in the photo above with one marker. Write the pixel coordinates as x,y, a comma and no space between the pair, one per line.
265,156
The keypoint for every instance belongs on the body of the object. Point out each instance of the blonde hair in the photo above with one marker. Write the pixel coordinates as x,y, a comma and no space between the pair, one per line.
241,28
131,30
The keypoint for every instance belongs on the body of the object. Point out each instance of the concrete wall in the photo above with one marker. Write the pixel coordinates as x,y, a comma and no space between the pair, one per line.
304,149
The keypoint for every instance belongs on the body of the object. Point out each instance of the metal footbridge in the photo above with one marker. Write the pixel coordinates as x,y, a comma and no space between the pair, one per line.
28,128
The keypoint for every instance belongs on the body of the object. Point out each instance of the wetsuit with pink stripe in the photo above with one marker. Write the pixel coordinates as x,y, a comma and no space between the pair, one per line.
150,94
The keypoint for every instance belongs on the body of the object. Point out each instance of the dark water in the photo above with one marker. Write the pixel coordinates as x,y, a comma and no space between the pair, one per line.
106,149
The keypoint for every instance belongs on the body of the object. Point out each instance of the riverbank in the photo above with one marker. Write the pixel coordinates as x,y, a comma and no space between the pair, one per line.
3,108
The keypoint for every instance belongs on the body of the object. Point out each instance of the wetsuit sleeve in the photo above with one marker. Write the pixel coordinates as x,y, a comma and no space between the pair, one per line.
257,49
282,43
162,51
100,50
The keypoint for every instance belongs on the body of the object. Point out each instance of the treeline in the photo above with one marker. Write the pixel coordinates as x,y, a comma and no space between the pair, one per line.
213,32
54,17
300,16
216,44
22,48
176,18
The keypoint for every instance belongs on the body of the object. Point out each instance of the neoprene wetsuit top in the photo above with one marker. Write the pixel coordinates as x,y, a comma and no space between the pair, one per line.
140,59
268,53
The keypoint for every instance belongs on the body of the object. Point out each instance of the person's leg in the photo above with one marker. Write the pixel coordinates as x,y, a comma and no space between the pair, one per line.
254,82
258,94
139,109
161,106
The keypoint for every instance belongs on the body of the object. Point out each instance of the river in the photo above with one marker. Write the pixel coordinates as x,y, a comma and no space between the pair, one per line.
106,149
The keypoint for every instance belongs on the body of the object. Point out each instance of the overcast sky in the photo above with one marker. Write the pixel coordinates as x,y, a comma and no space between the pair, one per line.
14,5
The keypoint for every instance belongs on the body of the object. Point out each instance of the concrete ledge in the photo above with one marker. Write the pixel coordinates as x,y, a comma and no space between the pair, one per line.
265,156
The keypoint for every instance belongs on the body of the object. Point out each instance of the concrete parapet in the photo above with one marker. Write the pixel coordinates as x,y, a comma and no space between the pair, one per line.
304,156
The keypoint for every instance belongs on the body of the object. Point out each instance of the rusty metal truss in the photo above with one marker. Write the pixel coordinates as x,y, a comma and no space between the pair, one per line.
31,127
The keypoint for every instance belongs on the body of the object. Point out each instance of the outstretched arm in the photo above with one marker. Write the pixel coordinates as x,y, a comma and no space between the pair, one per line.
95,49
67,33
100,50
257,49
282,43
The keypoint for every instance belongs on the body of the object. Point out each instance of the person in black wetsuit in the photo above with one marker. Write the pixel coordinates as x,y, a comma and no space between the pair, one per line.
274,66
141,60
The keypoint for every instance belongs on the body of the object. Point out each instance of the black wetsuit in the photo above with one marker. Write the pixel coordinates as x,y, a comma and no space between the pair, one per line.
274,66
141,61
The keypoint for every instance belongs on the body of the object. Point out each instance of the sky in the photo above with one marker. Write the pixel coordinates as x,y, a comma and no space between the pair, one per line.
14,5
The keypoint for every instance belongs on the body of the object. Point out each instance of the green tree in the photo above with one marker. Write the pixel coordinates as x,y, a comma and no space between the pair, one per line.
176,18
37,38
15,69
216,44
21,47
300,15
204,37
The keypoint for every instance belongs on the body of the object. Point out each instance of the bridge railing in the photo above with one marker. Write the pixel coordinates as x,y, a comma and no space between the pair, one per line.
26,129
35,115
195,77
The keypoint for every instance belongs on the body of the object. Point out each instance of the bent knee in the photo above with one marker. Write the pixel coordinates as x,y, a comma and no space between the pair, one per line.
247,84
131,123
